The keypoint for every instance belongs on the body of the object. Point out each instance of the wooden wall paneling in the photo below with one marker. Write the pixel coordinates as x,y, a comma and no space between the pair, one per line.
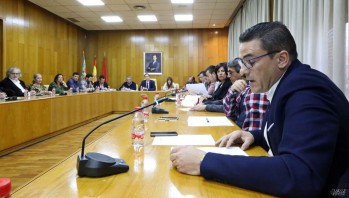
185,52
39,41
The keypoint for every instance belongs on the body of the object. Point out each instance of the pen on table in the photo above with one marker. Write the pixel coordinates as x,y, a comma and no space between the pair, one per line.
207,120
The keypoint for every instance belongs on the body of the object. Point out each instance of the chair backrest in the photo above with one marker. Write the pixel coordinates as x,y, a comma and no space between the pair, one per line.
156,83
176,85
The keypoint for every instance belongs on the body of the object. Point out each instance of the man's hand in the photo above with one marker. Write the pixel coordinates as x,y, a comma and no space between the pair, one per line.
187,159
239,86
199,107
237,137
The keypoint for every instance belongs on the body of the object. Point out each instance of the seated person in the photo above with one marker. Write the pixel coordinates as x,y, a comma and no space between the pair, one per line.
86,84
2,94
101,84
169,85
217,106
191,80
211,80
305,130
74,83
37,85
128,85
147,84
59,85
221,72
11,85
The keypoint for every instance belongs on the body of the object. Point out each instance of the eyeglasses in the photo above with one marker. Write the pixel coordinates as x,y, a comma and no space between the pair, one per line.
250,62
16,73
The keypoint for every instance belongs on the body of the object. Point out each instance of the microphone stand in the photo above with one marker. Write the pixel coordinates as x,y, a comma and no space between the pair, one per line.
100,165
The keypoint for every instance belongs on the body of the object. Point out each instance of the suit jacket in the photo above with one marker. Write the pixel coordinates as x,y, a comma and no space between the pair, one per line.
308,135
153,67
97,84
151,85
220,93
10,88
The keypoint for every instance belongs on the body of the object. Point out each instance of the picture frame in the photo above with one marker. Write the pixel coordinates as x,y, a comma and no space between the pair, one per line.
152,63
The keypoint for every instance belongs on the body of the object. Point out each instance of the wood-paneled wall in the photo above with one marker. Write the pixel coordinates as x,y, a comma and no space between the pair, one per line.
36,40
185,52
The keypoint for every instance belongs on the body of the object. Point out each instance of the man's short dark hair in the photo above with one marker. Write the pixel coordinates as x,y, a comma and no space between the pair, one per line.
210,69
101,77
75,73
274,37
88,75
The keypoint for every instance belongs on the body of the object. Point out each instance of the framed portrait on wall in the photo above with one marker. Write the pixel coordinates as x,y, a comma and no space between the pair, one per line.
153,63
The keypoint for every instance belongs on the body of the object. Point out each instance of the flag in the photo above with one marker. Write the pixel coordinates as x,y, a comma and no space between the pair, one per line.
105,68
83,69
94,72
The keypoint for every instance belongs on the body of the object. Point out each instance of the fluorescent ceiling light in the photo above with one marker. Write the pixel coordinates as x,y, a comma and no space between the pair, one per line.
111,19
91,2
182,1
183,17
144,18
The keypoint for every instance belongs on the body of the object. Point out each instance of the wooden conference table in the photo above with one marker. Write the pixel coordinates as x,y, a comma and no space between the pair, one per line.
24,122
150,174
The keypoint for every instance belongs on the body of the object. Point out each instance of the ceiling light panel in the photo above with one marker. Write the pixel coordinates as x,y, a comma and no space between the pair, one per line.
147,18
111,19
91,2
182,1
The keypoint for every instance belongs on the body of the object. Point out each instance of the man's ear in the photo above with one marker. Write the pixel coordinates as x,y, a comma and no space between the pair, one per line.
283,59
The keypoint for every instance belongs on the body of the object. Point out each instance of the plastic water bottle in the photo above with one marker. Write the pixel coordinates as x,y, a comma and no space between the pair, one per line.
77,90
53,92
137,131
156,98
26,94
70,91
145,110
178,100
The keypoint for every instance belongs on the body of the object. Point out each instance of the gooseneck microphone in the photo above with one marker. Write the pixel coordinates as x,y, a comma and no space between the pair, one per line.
100,165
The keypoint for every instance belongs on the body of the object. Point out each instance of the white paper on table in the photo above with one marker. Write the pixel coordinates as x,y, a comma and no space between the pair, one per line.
184,140
198,88
223,150
190,101
209,121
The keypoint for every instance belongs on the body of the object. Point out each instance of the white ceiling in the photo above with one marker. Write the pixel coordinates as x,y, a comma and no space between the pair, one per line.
206,13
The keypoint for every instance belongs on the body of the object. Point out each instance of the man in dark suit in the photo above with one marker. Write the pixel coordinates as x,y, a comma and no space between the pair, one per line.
101,84
153,66
305,130
147,84
11,85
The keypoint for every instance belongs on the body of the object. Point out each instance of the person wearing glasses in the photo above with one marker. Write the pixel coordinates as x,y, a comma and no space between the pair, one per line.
305,130
11,85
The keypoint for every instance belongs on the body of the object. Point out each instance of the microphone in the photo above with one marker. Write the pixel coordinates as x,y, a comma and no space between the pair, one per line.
99,165
158,110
